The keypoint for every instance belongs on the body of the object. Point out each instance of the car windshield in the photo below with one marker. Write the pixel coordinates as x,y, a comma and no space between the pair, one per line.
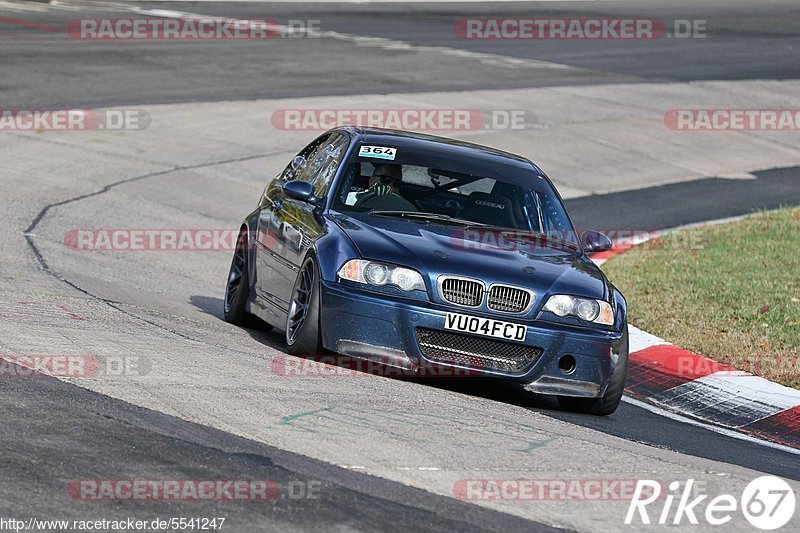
441,188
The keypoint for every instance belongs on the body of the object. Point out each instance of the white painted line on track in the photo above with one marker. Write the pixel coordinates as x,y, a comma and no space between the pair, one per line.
378,42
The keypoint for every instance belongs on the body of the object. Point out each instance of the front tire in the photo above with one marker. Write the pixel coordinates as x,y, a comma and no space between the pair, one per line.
302,321
608,402
237,289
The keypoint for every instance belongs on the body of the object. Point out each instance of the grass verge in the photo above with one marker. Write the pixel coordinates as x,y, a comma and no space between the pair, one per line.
730,292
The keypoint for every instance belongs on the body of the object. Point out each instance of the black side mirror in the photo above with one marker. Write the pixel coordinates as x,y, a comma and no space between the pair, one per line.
300,190
594,241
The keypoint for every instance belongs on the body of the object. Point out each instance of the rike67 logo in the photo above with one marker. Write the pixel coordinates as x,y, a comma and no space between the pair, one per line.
768,503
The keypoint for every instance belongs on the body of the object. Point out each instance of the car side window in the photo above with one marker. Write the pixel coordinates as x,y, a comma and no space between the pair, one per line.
322,164
294,172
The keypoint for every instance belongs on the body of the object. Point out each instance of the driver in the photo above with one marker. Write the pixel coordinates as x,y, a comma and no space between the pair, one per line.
384,190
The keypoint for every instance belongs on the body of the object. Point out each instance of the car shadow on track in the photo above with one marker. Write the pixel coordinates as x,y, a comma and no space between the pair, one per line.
258,330
209,305
493,389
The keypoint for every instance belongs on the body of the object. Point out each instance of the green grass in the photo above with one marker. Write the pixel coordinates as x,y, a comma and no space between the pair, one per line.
729,292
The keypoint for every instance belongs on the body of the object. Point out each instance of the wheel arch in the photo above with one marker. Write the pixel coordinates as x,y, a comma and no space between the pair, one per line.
332,250
249,226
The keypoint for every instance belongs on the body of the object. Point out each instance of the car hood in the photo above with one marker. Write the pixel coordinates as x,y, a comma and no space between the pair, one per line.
434,249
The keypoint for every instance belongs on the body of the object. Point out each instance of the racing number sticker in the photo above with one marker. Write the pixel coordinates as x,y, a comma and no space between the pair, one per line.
379,152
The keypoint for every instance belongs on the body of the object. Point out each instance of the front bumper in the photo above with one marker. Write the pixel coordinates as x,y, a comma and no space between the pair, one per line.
371,325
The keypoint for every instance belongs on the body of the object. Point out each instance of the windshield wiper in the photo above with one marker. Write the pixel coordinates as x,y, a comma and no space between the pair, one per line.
422,215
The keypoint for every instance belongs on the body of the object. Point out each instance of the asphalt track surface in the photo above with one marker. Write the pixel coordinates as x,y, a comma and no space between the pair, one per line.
679,204
742,43
97,437
54,431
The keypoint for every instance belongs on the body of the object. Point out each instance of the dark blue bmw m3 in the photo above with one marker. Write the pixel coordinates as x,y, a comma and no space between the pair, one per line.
425,252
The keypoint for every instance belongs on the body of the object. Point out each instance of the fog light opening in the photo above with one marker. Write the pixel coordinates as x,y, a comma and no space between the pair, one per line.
567,364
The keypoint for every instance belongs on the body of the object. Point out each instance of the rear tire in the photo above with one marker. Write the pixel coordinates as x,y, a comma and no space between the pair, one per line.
608,402
302,321
237,290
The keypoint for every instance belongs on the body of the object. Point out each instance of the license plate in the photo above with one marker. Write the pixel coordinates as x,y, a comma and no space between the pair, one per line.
485,326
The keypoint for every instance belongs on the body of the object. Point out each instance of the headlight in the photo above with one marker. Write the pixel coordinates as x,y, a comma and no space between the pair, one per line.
380,274
596,311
